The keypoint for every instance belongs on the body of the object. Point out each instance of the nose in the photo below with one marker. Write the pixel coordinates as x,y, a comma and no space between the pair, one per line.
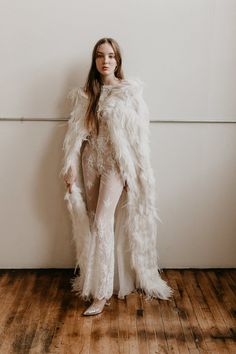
106,59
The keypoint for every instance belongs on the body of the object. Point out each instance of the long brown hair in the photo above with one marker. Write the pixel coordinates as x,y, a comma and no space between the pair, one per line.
93,83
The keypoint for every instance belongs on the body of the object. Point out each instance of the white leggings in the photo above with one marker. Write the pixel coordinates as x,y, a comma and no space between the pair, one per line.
103,188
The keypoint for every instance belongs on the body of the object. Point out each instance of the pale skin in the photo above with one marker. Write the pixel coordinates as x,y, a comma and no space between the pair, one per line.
106,65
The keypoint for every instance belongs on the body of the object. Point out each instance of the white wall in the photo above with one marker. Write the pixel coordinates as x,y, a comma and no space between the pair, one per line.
185,53
195,171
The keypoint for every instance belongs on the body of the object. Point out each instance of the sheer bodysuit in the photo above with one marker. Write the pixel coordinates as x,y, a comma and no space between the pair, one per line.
103,188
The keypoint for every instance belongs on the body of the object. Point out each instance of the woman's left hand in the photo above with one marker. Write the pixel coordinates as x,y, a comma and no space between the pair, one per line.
69,179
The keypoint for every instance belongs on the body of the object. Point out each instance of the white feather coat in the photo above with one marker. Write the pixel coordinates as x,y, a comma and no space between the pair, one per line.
136,217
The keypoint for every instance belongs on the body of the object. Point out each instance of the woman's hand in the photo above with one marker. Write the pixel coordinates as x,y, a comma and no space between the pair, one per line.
70,178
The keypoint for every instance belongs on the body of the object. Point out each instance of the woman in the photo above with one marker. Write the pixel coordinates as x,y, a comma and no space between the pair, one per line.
111,186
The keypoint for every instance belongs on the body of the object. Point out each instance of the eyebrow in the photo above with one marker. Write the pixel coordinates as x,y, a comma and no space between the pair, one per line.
103,53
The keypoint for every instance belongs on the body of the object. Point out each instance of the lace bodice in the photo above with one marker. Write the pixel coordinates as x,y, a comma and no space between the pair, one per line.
99,150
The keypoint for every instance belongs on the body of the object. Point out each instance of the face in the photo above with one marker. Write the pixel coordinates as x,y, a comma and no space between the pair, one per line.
105,60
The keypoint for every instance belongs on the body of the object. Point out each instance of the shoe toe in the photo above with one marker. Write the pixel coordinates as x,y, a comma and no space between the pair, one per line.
94,309
90,312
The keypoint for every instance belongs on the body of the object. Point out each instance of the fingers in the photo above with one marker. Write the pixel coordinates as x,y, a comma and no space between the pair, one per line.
69,187
69,180
126,186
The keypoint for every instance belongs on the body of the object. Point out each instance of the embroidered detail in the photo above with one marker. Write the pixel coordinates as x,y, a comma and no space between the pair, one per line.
105,253
107,202
98,153
89,184
91,161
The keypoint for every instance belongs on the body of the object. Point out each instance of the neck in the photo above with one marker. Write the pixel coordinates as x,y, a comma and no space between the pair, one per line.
110,80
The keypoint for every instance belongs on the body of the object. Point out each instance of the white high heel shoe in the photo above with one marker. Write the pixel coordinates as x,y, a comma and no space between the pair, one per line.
96,307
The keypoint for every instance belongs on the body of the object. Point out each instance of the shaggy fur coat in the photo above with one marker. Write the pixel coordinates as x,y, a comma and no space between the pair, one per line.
127,117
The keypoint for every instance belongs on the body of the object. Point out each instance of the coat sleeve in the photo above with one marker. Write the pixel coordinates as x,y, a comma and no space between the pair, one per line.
127,119
138,104
134,103
76,131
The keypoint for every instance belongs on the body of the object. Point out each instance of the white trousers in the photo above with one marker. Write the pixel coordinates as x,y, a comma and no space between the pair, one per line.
103,188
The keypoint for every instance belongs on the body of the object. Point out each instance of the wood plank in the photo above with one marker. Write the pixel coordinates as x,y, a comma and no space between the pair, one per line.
12,286
47,299
114,325
216,312
225,296
22,328
100,339
195,333
203,328
232,273
180,308
125,331
170,322
154,326
73,329
229,283
131,300
141,326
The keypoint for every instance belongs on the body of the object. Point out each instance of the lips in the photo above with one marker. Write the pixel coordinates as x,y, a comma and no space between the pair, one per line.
105,67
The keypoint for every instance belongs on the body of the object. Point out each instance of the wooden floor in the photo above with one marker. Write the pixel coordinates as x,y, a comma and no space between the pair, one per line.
40,314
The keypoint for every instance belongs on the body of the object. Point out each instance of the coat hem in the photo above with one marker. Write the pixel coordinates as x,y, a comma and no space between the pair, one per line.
166,294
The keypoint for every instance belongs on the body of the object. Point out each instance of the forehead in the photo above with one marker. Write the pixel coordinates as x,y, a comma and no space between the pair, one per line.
105,48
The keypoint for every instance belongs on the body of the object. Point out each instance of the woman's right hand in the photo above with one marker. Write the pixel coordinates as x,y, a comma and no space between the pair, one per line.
70,178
